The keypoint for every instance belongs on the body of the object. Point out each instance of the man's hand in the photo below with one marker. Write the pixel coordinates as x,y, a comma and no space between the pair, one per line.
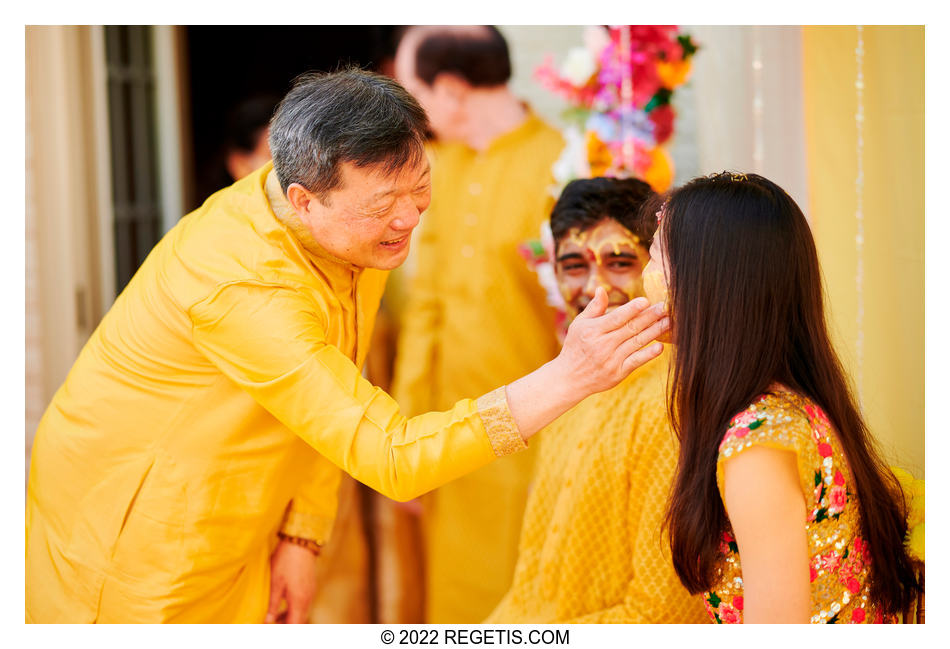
292,578
599,352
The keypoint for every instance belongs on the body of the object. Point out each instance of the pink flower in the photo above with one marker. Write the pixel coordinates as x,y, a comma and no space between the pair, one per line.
857,616
838,499
824,450
738,602
728,614
817,415
839,478
853,585
740,432
744,418
812,573
830,561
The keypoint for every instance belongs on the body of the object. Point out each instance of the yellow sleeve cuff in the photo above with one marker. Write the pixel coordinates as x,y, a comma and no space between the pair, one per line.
500,426
305,525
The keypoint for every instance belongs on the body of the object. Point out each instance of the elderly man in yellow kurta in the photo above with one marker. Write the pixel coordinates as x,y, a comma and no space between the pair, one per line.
476,317
186,470
592,548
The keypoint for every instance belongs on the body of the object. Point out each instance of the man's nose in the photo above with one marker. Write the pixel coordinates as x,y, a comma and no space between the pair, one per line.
594,279
407,217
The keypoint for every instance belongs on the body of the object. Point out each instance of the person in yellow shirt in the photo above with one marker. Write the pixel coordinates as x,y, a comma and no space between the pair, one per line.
591,548
186,470
475,316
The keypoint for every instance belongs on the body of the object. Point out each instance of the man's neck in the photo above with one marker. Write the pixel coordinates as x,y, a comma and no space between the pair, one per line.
492,112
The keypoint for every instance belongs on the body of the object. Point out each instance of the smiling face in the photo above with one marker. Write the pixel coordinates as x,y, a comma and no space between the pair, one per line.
606,255
368,220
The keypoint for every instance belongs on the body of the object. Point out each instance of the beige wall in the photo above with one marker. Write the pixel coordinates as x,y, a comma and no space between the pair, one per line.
64,205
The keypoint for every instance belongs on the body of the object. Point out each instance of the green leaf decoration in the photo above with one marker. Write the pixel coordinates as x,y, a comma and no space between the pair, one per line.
821,496
718,621
847,551
834,619
755,424
686,42
821,515
713,600
536,248
817,478
661,98
734,546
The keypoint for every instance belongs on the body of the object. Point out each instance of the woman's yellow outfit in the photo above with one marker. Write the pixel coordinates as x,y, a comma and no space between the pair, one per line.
592,548
183,438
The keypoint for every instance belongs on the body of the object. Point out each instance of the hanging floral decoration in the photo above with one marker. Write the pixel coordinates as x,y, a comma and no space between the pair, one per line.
619,87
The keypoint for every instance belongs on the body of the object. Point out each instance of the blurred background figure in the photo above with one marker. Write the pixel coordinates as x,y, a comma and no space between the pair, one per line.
476,317
245,146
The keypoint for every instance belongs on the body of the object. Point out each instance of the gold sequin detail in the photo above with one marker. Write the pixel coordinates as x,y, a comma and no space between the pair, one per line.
499,425
838,557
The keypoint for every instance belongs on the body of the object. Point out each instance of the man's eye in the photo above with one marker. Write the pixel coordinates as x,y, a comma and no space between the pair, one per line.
621,265
380,211
574,269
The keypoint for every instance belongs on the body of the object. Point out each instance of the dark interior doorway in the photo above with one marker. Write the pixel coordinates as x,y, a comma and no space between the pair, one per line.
229,65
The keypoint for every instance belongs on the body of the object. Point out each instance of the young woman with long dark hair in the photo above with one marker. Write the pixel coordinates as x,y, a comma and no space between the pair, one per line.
775,460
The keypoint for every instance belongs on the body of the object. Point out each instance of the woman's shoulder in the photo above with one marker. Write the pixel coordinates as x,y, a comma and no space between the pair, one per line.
779,418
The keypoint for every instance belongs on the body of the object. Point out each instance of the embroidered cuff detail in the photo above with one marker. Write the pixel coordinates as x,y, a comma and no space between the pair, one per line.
313,546
499,424
305,525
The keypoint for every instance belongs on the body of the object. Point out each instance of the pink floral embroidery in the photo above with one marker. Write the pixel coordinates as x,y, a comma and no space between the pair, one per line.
830,561
745,418
728,614
838,500
854,585
839,478
824,450
857,616
812,573
741,432
817,415
738,602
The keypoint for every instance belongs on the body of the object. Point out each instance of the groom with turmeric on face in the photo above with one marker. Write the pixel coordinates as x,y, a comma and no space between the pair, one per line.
592,548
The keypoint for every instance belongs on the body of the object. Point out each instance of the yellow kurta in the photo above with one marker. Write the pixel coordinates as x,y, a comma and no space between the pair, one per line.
477,318
183,438
591,549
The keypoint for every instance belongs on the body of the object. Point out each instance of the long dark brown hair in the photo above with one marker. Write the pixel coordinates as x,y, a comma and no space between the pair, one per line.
747,309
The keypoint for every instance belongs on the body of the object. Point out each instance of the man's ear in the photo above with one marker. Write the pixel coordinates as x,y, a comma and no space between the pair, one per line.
299,198
451,86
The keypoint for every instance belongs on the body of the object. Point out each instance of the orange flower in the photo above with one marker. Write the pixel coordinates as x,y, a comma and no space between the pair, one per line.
674,73
598,155
659,174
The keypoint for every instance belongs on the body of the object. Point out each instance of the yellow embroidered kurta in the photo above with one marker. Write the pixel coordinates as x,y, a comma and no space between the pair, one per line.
477,318
591,549
183,438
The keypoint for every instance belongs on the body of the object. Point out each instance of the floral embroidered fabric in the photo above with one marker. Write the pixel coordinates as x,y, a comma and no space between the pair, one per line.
839,558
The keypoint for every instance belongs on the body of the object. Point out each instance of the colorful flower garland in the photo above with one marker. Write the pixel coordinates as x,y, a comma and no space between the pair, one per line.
618,87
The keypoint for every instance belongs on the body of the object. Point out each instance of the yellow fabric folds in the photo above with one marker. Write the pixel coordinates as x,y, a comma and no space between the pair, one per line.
183,438
477,318
591,548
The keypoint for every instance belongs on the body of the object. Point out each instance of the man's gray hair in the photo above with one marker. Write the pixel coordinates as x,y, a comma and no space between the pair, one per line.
347,116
